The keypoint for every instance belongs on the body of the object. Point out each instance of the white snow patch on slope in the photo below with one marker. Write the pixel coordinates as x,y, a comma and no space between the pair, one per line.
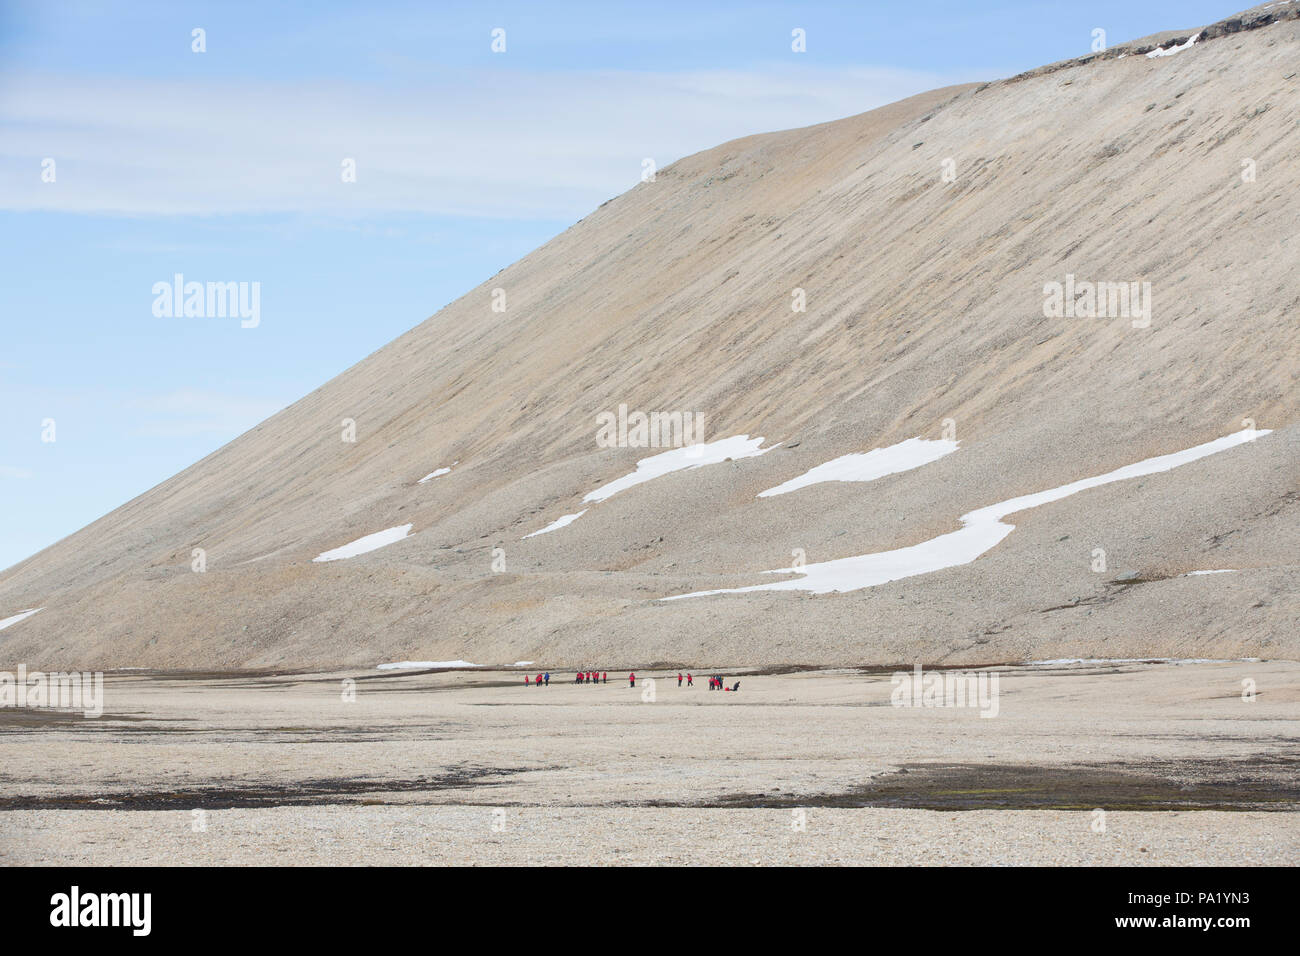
877,463
20,616
1142,660
1170,51
557,524
437,473
371,542
1192,574
675,459
423,665
679,459
981,531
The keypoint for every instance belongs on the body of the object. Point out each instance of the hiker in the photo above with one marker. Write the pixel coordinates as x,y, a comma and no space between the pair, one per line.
592,676
736,688
539,680
690,681
547,675
578,679
606,680
525,680
631,679
679,678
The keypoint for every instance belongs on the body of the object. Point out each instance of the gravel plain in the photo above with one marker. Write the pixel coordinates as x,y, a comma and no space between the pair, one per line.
1191,763
590,836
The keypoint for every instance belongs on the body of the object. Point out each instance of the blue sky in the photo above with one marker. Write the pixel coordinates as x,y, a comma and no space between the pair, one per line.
225,165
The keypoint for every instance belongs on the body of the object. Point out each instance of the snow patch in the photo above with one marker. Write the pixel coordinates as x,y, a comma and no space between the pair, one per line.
438,473
680,459
1142,660
1170,51
20,616
423,665
558,523
877,463
1192,574
676,459
982,530
371,542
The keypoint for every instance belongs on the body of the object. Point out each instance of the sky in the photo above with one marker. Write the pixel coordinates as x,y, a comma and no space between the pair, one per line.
128,156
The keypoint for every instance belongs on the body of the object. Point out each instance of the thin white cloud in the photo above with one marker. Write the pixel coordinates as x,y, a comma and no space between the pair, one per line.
545,145
9,471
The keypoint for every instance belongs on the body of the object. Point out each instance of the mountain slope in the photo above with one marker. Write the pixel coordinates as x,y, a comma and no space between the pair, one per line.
925,305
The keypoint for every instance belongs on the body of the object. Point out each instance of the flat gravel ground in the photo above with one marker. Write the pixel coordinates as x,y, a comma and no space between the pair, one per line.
1192,763
460,835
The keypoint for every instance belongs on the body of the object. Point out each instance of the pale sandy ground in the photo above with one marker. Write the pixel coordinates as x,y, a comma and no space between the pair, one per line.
462,835
421,767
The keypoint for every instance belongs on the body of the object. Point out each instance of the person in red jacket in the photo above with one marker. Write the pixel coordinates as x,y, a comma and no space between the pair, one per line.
690,681
539,680
631,679
525,680
679,678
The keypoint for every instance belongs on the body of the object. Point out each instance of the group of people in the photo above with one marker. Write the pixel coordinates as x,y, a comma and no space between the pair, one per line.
602,677
582,677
